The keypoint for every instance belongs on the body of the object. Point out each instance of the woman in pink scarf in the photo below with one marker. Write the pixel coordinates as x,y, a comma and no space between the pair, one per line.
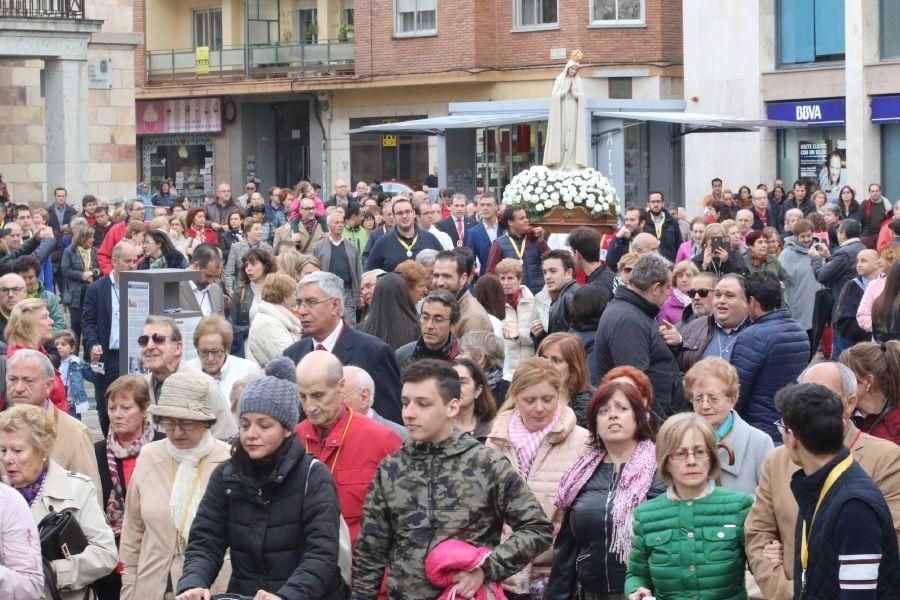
536,431
599,494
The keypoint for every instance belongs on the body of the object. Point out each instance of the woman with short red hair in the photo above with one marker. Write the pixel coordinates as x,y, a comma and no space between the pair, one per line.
197,229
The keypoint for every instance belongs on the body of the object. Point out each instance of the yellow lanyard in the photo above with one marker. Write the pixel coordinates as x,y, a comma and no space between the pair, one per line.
408,247
836,472
520,251
343,437
659,228
191,497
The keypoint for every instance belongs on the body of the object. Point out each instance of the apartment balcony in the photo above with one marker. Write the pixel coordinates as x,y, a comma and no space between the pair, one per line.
42,9
256,61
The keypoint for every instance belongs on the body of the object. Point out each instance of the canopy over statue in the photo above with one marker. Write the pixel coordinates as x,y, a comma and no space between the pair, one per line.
566,148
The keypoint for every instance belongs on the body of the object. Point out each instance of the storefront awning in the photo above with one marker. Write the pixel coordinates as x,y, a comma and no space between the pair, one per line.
886,109
438,125
696,121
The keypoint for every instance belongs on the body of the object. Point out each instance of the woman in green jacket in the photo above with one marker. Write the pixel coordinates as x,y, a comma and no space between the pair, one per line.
689,543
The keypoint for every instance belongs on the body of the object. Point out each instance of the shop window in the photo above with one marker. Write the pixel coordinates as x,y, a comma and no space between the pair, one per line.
535,14
415,17
810,31
890,29
617,12
208,28
620,88
387,157
890,155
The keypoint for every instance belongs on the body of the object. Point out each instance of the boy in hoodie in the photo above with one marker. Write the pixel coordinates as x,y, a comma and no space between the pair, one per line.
442,484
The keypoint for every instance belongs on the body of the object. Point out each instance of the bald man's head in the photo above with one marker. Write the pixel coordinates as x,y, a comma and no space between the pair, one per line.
838,378
867,264
645,243
360,390
320,379
12,291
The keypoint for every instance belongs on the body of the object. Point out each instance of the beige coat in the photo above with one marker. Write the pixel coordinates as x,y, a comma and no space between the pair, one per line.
148,534
565,443
774,515
519,319
65,490
472,316
74,447
272,329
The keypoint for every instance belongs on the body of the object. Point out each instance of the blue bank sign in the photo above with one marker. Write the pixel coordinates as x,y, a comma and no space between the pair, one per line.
812,113
886,109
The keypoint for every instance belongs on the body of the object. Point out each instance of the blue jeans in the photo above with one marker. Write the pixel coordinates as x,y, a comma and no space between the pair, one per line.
838,345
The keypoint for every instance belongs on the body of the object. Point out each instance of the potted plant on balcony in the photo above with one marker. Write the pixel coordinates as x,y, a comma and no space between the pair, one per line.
312,32
346,32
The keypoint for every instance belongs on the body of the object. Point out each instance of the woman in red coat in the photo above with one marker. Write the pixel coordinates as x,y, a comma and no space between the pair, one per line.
30,326
197,230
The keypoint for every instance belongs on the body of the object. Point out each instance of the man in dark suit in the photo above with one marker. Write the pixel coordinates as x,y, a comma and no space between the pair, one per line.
483,235
205,294
457,225
100,323
320,298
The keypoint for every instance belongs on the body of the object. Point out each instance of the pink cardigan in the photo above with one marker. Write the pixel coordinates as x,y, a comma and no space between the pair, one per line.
864,312
685,251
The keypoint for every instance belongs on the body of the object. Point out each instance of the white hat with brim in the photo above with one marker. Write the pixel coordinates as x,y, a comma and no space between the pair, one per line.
184,395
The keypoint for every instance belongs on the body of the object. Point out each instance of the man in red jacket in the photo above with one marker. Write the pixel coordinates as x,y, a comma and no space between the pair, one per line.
116,234
349,443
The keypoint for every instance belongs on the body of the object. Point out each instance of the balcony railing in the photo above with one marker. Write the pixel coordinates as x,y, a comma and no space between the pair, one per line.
43,9
253,61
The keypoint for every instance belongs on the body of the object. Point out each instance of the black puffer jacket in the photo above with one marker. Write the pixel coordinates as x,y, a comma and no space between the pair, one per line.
283,533
561,309
581,555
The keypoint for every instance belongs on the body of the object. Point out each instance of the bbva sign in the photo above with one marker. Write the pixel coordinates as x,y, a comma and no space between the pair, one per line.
808,112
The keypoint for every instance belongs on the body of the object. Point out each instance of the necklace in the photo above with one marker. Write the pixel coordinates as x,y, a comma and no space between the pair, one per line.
723,351
409,246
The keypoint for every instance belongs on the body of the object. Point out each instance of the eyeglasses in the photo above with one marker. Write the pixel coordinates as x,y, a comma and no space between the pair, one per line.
307,208
713,400
703,293
211,353
158,339
436,319
780,426
402,213
173,424
699,453
12,290
312,302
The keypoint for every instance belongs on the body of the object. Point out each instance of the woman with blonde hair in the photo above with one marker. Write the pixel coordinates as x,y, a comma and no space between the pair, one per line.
712,387
721,260
536,432
273,327
79,269
623,274
519,312
27,436
708,562
566,352
678,297
30,327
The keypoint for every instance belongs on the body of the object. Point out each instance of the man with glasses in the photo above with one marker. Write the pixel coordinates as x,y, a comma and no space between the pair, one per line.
403,242
100,324
161,349
250,188
320,302
702,294
307,229
12,291
135,212
218,211
440,314
205,294
662,225
212,340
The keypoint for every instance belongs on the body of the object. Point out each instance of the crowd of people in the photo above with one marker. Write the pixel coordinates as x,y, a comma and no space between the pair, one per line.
415,397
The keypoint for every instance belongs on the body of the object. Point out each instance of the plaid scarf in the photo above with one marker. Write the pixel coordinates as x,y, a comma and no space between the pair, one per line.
527,442
115,505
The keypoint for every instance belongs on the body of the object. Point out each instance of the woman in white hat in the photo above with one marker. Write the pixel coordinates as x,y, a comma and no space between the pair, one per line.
166,487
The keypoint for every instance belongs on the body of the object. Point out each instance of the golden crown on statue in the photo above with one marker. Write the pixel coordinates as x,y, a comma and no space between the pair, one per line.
577,55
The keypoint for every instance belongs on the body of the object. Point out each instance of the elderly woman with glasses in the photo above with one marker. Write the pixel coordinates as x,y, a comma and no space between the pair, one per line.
27,435
166,487
689,542
712,386
213,340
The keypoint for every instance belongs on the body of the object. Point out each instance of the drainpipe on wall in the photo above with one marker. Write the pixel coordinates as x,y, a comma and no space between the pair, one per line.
317,110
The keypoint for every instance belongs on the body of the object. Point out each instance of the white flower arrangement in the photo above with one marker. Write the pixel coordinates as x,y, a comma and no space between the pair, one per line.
540,189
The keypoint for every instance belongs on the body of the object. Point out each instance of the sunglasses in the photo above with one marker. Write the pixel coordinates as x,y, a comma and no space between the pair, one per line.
158,339
701,293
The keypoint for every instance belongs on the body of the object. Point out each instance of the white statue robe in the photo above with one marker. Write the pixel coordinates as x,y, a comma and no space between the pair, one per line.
566,147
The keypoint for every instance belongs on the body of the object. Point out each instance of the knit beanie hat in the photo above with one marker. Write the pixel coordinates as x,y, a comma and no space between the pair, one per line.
274,394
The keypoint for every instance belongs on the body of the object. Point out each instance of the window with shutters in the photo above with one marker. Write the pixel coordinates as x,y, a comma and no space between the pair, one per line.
415,17
536,14
810,31
207,28
613,13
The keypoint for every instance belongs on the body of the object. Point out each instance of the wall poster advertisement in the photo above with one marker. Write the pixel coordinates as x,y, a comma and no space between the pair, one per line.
824,163
138,311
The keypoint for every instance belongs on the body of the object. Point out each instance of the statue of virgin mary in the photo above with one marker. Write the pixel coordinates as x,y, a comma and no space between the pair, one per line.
565,148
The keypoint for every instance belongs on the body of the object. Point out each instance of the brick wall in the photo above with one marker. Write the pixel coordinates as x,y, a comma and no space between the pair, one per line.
477,34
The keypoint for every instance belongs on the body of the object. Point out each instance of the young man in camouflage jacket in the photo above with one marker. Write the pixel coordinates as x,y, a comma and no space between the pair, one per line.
442,484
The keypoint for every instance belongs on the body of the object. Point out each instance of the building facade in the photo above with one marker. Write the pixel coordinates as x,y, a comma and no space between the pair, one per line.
829,68
287,79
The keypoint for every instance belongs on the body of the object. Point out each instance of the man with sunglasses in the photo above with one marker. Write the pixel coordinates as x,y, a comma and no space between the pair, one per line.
701,293
161,349
716,333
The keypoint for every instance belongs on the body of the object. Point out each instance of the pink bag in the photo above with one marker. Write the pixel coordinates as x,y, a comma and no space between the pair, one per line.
454,556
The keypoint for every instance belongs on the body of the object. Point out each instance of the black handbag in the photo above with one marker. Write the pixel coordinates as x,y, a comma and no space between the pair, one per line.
61,535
